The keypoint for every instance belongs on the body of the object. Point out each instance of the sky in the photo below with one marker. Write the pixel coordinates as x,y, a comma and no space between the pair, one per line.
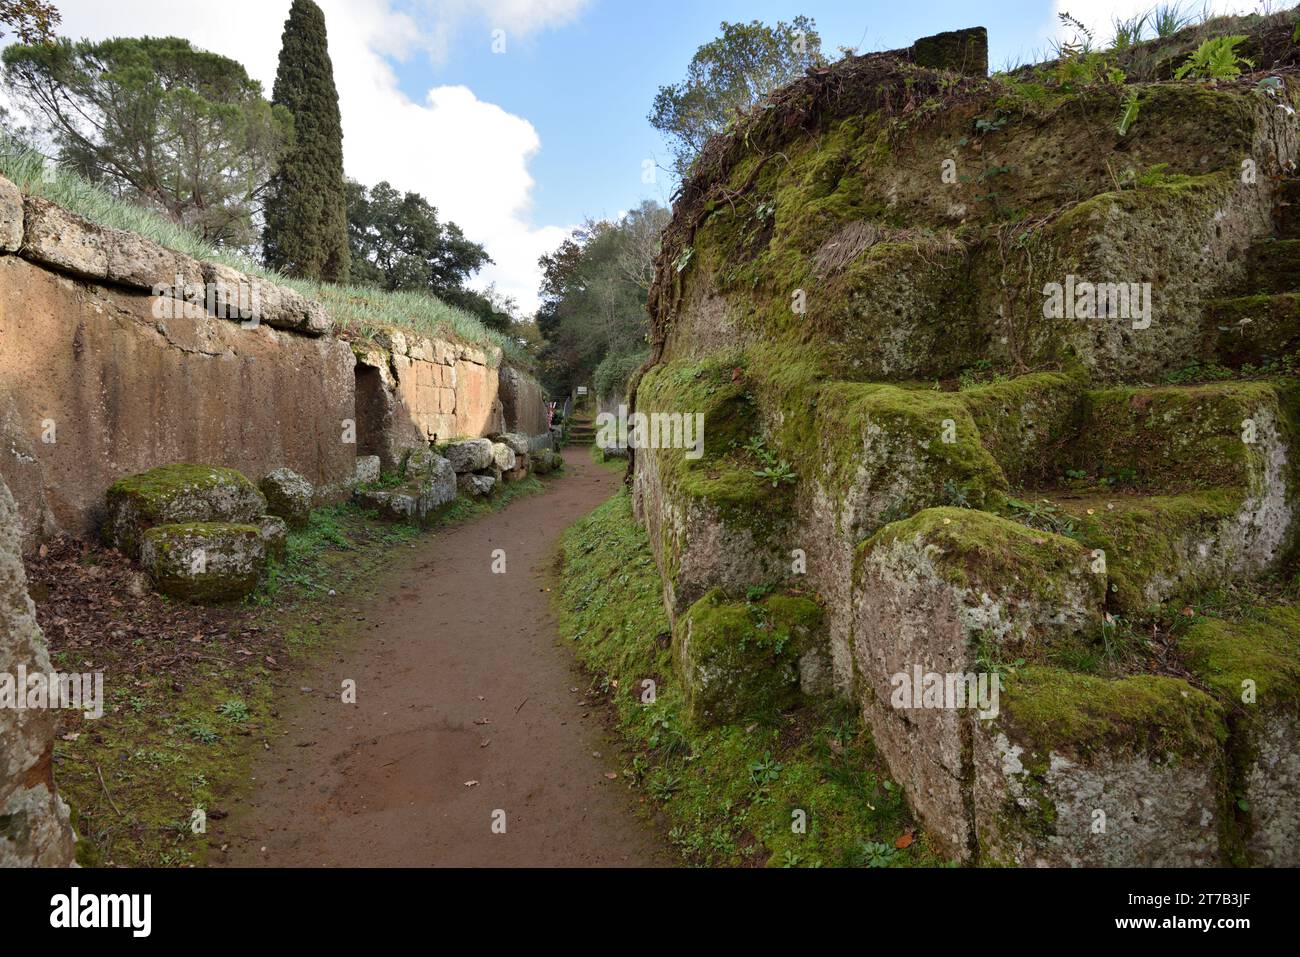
519,119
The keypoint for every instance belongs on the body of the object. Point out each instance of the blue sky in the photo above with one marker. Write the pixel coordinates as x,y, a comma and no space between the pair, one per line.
520,147
587,85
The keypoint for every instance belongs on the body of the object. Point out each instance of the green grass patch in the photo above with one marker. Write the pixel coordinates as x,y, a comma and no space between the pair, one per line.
361,310
733,795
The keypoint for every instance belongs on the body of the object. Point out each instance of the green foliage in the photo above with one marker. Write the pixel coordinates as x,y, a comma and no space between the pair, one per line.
1215,59
306,232
156,121
32,20
729,75
1168,18
615,372
398,243
1128,114
593,295
728,794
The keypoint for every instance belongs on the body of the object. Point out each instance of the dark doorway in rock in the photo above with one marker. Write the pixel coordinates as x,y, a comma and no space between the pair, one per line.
371,402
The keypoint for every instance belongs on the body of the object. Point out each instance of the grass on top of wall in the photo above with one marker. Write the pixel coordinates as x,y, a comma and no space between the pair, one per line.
357,310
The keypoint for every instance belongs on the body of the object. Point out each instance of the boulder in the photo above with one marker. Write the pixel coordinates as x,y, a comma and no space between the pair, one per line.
275,536
289,496
438,487
476,486
174,495
204,561
517,443
470,456
545,461
503,457
368,469
34,828
250,298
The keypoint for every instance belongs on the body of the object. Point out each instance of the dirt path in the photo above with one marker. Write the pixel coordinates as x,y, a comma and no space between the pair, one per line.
447,646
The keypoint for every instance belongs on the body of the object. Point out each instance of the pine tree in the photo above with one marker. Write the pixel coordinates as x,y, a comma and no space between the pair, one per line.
306,211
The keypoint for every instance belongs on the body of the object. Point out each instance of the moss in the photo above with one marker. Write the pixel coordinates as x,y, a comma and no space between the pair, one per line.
739,660
1274,267
978,550
1173,439
234,559
913,448
1264,649
1151,543
723,477
727,794
1081,716
159,486
1251,330
1027,423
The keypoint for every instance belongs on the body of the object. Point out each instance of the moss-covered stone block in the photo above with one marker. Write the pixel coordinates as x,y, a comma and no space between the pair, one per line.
204,561
1027,423
1166,548
1273,268
289,496
1252,667
739,659
1082,771
951,592
1251,330
1180,438
175,494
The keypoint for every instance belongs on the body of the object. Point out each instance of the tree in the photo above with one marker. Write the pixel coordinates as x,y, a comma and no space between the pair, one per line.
306,231
398,243
159,122
729,75
593,298
33,20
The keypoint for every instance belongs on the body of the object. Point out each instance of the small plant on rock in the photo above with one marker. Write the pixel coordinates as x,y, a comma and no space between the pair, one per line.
1215,59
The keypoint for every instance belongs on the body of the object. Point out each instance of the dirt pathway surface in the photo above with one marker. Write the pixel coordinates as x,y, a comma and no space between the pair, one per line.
460,678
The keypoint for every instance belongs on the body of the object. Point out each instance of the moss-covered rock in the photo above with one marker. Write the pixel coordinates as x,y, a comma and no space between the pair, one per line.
1027,423
289,496
1252,667
1083,771
1273,268
275,536
739,660
1251,330
204,561
175,494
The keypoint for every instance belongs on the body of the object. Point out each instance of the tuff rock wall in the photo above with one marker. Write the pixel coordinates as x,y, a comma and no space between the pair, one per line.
853,291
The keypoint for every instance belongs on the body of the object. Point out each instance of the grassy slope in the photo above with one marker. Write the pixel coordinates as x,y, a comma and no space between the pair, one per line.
165,746
729,794
358,310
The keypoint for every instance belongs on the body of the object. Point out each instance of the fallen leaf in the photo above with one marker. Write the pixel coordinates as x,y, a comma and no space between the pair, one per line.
904,840
471,784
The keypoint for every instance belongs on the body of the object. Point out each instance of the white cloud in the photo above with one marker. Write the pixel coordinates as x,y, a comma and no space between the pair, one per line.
1100,15
469,157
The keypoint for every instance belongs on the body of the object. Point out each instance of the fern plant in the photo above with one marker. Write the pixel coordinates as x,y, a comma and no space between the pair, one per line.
1215,59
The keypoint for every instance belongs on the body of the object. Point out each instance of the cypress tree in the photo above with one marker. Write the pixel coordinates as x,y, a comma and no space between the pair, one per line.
306,231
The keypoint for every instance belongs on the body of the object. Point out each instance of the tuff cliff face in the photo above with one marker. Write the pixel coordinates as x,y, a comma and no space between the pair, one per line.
940,327
34,828
102,378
